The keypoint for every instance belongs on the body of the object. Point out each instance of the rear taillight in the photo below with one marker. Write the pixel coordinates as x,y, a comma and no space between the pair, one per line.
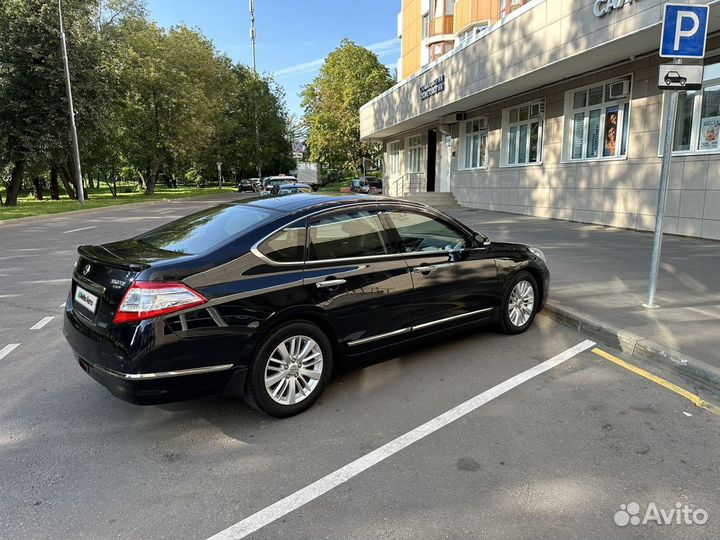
145,300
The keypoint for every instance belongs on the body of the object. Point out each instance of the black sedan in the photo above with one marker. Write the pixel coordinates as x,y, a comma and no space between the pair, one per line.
262,298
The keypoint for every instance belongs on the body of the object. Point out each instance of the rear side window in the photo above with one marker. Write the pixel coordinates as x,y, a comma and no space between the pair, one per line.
205,230
287,245
347,235
420,232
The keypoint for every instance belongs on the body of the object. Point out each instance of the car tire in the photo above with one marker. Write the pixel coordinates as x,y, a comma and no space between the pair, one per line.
521,295
300,378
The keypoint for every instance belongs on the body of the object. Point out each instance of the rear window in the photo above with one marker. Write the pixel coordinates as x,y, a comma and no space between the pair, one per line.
207,229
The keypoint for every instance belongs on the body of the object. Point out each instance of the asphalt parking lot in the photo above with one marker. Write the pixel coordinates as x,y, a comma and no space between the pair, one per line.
536,449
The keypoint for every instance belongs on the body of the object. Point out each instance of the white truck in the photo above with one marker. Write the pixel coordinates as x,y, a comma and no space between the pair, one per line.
308,172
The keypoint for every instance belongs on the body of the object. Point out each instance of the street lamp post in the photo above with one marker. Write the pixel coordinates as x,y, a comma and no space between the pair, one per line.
257,126
73,129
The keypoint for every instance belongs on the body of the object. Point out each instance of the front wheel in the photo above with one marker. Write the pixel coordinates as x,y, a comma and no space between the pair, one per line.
519,304
289,370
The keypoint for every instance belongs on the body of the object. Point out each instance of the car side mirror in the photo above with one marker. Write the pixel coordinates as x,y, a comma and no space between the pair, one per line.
482,240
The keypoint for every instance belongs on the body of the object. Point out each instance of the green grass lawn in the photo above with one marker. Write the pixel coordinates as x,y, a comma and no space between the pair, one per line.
97,198
334,188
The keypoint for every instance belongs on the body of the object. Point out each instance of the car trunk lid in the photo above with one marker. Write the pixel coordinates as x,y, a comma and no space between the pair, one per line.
104,273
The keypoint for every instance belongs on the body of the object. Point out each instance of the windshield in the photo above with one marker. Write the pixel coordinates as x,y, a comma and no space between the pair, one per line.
203,231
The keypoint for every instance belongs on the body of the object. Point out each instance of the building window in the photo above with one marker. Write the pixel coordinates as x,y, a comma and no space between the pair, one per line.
523,133
425,26
474,143
440,49
697,123
393,159
597,120
414,154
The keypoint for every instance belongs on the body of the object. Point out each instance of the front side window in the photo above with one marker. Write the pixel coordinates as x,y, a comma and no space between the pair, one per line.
522,134
422,233
598,120
393,163
475,143
697,123
347,235
287,245
414,154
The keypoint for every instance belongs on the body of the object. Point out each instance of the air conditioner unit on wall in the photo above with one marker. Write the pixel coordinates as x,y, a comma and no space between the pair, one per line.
454,118
619,89
537,109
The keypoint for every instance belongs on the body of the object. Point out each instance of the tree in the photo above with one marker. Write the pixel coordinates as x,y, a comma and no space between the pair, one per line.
350,77
250,98
149,102
33,103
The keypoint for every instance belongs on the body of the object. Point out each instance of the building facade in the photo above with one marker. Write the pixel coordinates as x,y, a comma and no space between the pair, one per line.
555,111
429,29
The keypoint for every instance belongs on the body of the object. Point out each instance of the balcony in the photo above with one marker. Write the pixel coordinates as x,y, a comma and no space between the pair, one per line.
441,26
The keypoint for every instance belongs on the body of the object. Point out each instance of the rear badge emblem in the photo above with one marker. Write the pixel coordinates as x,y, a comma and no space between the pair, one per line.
86,270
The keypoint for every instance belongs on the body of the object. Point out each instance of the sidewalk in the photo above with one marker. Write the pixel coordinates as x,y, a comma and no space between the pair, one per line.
602,273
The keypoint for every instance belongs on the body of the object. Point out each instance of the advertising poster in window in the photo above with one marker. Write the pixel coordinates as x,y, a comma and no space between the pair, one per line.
709,133
611,125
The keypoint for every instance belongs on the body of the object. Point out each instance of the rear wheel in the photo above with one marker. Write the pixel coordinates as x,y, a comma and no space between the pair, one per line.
520,304
290,369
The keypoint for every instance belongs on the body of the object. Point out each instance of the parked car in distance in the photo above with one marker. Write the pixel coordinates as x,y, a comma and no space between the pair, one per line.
248,185
290,189
271,181
359,185
262,298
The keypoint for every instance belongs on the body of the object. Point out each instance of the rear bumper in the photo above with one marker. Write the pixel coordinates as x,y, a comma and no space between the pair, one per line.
157,388
127,377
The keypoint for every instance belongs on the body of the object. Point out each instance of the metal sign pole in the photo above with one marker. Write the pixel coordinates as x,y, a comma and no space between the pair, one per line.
669,130
73,129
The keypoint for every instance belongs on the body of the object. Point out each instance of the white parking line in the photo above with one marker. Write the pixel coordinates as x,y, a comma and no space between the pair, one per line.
8,349
41,323
63,304
81,229
45,281
292,502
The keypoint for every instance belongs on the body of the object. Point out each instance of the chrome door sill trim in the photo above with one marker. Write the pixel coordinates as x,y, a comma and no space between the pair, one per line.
379,336
163,374
448,319
418,327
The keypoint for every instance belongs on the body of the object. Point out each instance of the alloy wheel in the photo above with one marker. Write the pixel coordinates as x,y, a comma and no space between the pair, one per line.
521,304
293,370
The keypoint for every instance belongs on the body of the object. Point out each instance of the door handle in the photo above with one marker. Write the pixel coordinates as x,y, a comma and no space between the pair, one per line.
429,268
329,283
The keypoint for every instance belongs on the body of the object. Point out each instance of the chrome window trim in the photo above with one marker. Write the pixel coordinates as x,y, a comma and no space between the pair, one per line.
400,205
418,327
255,251
163,374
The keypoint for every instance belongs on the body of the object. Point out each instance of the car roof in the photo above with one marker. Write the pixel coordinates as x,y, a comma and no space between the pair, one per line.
312,201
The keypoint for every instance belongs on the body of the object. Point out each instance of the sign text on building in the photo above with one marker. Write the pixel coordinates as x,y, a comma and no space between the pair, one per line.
433,87
603,7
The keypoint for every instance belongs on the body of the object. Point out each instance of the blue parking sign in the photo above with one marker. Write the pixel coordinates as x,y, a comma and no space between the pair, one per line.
684,31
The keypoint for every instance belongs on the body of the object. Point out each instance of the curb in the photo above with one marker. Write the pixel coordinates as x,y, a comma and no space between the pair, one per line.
72,213
698,371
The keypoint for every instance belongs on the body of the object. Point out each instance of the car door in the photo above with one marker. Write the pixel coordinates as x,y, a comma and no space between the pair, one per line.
454,277
353,273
